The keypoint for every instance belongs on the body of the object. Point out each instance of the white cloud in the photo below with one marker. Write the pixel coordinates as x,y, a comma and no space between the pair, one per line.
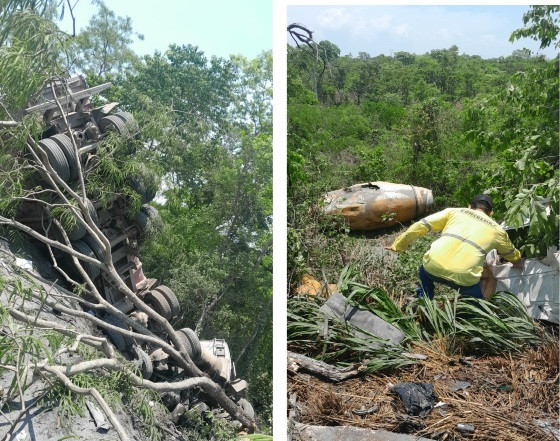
444,33
402,30
334,18
382,23
490,38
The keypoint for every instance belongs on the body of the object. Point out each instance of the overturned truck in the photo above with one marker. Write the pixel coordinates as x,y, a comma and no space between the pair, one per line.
73,131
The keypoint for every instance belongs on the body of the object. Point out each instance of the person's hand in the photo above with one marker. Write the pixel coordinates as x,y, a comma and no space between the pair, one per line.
518,263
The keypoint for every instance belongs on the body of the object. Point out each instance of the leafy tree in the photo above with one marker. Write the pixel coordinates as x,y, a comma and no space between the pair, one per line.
541,24
103,47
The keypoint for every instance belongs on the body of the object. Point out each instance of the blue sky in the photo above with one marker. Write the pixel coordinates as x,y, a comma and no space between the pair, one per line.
375,29
217,27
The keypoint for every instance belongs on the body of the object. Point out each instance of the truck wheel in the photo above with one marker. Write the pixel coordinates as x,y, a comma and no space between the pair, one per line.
120,341
77,232
112,123
92,212
141,219
65,144
171,299
82,247
194,342
96,248
145,362
130,122
247,408
159,303
153,216
56,158
185,340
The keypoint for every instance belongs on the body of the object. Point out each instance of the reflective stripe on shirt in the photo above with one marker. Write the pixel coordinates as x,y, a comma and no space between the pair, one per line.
470,242
509,252
425,222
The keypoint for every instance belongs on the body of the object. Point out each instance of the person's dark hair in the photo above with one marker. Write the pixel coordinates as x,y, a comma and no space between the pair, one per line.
482,201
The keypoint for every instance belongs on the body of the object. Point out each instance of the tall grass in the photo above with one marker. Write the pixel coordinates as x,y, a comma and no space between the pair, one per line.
336,342
466,326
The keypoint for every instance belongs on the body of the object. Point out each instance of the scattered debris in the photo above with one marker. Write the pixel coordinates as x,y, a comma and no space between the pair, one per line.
337,306
536,284
441,408
100,422
362,411
24,263
487,408
304,432
465,428
548,427
460,385
312,287
414,356
308,286
375,205
418,398
298,362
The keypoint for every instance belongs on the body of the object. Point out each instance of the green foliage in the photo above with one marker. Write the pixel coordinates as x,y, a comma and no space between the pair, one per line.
463,325
30,52
204,426
523,141
146,404
103,47
542,24
337,343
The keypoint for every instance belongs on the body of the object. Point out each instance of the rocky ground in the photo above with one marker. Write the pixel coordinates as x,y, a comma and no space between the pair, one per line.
40,421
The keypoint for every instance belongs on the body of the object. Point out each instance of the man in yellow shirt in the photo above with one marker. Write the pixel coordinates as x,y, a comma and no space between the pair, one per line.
456,258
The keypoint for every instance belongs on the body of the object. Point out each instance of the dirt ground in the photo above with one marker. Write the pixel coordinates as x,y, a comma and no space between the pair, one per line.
510,398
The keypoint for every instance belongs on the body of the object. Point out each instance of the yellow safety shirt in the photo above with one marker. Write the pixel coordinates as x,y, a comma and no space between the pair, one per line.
459,254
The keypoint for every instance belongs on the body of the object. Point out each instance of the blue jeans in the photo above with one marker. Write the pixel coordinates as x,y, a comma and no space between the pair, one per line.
426,286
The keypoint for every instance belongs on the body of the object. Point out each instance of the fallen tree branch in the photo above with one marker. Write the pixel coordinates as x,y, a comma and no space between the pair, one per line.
95,394
299,362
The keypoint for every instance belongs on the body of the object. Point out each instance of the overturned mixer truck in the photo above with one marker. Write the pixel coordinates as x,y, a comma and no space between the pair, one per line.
89,127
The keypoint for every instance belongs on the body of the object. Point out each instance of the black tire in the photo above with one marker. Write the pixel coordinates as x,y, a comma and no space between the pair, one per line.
78,231
171,298
194,342
65,144
96,248
146,194
92,212
154,216
185,340
82,247
146,365
112,123
120,341
130,122
247,408
159,304
56,158
142,221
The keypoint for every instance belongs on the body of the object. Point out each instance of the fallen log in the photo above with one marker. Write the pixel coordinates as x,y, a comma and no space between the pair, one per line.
299,362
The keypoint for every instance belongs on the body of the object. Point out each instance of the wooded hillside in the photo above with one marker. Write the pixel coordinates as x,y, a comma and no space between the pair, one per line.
456,124
204,144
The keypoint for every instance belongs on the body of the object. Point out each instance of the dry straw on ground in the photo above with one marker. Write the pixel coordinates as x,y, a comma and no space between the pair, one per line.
506,396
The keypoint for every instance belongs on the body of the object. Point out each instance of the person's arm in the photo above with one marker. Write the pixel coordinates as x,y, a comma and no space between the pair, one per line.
434,222
507,250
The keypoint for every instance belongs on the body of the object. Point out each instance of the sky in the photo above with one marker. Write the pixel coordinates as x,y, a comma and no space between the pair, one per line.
375,29
217,27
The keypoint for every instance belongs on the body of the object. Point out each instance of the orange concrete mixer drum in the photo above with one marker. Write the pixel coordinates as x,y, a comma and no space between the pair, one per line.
376,205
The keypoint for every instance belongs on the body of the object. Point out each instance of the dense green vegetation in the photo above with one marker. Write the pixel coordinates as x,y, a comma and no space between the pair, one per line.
455,123
206,137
